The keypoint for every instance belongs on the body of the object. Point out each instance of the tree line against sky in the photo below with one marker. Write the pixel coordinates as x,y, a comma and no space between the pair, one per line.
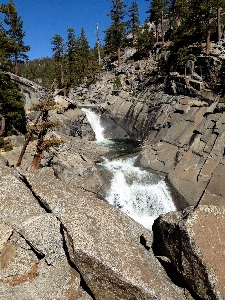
190,21
177,23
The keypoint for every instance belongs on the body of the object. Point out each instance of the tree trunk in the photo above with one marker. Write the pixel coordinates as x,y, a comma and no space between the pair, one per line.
62,78
2,129
176,17
16,70
132,39
37,159
208,46
118,54
219,31
156,33
99,56
27,142
162,27
185,74
23,150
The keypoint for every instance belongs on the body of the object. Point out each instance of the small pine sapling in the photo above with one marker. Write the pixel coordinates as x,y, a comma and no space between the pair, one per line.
117,83
41,128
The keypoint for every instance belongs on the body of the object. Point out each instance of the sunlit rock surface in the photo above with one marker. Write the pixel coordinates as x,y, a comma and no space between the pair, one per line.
104,244
194,241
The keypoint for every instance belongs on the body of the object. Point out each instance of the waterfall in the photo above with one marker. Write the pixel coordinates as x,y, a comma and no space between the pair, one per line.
95,123
138,193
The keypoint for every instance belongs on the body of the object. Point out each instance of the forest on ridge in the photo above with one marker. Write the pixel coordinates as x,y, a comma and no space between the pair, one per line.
184,28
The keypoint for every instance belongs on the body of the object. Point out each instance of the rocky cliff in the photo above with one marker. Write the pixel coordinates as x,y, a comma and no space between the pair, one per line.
60,241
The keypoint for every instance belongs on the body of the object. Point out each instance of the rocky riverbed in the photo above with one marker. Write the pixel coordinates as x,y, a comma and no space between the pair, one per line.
61,240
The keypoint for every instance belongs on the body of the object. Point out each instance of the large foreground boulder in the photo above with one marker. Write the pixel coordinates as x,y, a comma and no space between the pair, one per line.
104,244
33,262
194,241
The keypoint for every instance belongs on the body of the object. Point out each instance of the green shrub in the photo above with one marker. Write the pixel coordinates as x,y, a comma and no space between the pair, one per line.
2,142
117,83
5,144
12,132
8,147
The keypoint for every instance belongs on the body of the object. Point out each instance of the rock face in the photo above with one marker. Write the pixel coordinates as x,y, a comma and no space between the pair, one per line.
187,143
194,242
33,264
58,241
32,92
104,244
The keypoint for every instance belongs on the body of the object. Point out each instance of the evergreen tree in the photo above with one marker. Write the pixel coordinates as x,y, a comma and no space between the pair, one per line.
42,71
196,21
210,10
5,50
116,32
220,4
183,55
191,27
12,115
155,15
158,11
83,55
133,22
15,33
70,57
42,128
145,41
87,59
179,9
58,54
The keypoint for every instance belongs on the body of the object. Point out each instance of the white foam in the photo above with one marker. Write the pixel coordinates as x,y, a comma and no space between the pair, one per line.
138,193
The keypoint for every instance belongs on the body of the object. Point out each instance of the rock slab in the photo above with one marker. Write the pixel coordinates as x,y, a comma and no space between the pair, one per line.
194,241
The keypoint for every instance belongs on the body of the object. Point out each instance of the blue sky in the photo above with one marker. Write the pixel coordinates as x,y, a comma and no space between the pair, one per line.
42,19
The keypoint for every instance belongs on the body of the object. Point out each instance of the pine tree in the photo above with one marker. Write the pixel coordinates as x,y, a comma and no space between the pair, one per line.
220,8
5,50
42,128
210,11
115,34
145,41
158,11
196,20
179,9
42,71
183,55
12,115
83,56
70,57
15,33
191,27
133,22
58,54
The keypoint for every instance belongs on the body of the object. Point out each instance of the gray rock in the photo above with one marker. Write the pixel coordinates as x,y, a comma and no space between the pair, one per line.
43,281
194,242
33,263
104,244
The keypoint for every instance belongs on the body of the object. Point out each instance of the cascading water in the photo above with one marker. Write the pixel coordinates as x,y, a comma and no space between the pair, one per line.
138,193
95,123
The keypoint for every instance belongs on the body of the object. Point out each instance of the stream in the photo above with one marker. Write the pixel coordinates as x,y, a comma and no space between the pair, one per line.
139,193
